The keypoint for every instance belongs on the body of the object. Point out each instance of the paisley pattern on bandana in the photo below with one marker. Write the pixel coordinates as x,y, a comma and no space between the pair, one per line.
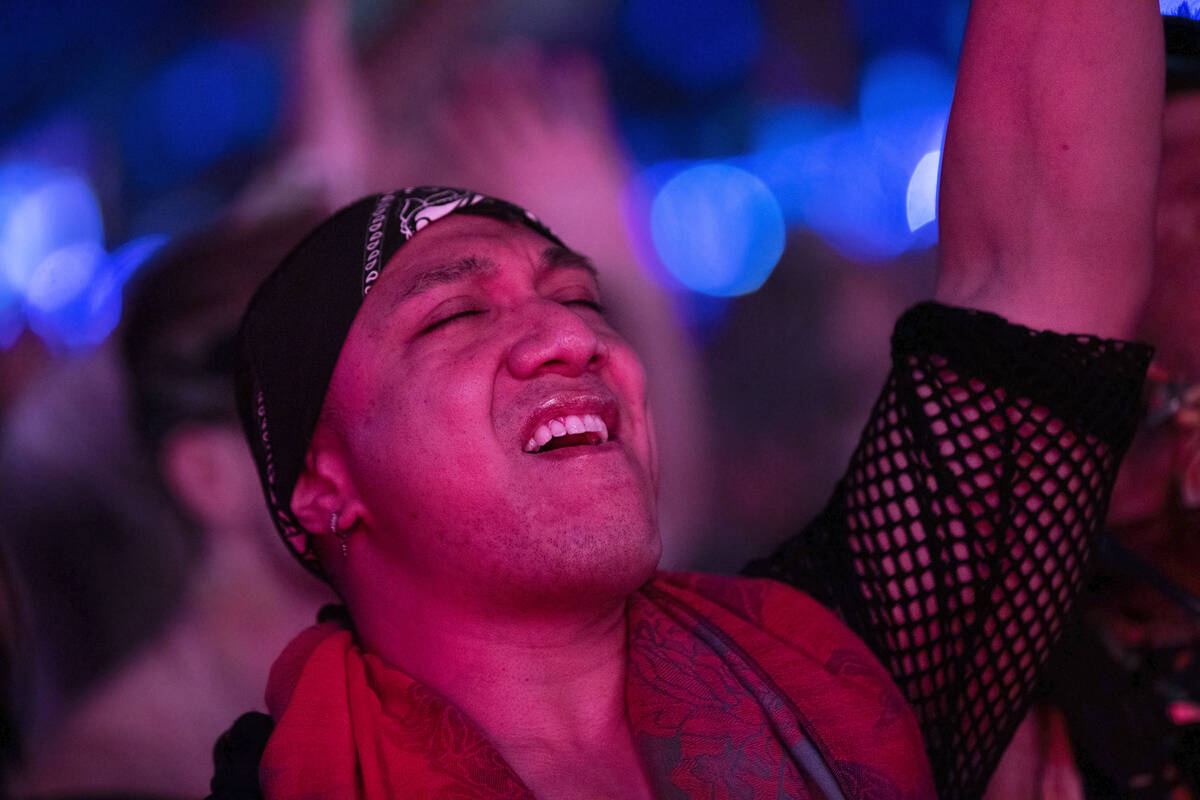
424,205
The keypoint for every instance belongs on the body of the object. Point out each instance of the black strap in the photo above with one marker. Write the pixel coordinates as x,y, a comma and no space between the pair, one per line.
236,756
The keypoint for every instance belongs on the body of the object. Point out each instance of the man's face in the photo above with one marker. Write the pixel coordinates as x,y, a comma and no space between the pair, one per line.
494,427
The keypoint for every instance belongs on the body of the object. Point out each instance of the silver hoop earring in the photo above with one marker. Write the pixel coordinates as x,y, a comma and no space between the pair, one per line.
342,536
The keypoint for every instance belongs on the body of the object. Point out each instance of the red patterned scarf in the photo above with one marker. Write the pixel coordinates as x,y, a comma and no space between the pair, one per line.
735,688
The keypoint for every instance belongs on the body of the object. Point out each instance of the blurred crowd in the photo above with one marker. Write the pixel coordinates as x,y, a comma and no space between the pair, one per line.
143,592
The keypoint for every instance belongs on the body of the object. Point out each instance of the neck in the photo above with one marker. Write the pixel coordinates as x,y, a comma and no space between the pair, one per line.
548,689
243,611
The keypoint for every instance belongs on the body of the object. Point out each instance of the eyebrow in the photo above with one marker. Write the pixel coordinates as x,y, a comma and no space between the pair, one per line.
450,272
558,257
552,258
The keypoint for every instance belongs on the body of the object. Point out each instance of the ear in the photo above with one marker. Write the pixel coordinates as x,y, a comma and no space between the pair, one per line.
210,474
325,487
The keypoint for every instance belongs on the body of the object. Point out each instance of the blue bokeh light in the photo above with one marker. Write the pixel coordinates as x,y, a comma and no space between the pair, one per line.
954,28
885,24
921,203
784,144
786,126
62,276
858,207
904,83
12,320
717,229
72,314
697,44
851,178
1179,8
217,97
42,210
850,183
55,275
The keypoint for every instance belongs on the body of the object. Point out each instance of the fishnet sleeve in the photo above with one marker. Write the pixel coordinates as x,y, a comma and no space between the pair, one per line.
956,541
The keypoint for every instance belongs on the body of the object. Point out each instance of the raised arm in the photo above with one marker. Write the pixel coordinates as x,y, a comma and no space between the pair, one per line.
956,543
1051,162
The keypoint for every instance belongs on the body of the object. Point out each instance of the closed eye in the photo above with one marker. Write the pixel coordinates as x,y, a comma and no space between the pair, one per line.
585,303
451,318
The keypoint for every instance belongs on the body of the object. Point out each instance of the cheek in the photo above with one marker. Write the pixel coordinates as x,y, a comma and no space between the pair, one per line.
430,393
626,369
626,365
426,429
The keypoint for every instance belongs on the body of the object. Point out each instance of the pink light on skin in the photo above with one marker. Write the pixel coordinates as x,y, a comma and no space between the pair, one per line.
477,335
1183,712
510,570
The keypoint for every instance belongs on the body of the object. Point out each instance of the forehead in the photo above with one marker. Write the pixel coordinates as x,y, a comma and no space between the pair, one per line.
464,235
460,249
463,247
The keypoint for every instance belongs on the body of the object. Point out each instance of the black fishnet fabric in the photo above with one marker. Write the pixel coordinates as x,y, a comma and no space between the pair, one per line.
956,543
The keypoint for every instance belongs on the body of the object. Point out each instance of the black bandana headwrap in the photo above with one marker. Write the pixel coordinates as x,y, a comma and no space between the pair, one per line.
298,319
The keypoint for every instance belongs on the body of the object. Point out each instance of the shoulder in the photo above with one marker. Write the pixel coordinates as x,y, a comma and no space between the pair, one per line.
780,641
788,615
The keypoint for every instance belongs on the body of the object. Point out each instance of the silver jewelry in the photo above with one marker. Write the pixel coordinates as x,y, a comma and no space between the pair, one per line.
342,536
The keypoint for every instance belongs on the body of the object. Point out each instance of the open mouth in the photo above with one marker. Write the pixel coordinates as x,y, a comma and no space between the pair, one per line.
570,430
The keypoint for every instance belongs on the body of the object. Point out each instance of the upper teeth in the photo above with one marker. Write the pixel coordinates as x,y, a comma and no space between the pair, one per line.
564,426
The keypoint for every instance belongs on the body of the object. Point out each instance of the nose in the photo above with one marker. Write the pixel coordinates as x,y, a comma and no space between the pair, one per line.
552,338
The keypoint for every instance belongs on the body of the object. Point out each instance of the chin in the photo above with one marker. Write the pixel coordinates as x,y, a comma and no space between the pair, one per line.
584,566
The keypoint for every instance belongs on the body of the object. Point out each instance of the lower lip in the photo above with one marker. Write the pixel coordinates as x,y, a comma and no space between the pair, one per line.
578,451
